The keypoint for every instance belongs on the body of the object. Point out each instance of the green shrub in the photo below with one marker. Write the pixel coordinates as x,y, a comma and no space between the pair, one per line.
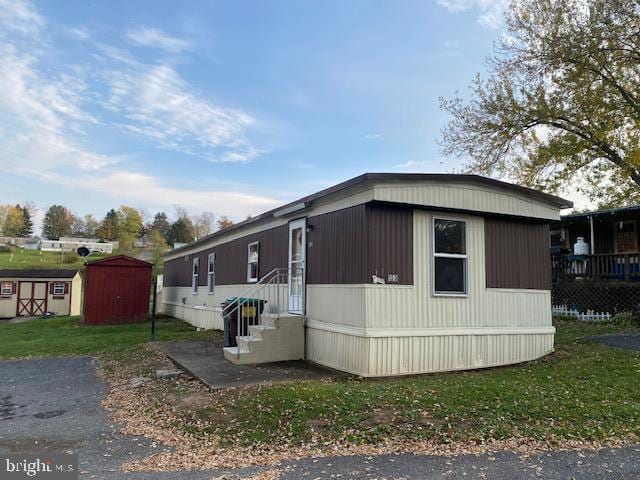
5,249
71,257
625,318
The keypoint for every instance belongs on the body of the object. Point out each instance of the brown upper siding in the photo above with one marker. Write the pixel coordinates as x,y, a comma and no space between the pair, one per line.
351,245
231,259
390,242
517,254
336,248
343,247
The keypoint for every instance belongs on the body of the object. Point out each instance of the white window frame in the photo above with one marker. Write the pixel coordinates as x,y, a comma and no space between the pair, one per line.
195,272
211,273
55,288
251,279
3,289
435,255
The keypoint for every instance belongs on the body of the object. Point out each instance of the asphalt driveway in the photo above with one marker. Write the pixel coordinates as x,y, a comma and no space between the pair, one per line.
54,405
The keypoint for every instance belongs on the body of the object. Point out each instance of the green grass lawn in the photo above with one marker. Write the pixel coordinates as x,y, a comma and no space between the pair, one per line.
19,258
68,336
583,391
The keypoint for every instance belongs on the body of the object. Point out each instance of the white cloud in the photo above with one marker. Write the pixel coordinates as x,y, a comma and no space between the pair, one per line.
141,188
490,11
20,17
44,112
413,164
79,33
157,103
155,38
373,136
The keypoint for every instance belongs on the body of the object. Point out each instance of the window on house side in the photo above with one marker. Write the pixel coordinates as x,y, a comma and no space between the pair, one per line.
6,288
252,262
211,272
194,275
58,288
449,257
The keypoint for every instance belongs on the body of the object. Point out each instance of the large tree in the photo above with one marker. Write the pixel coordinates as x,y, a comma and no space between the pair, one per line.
14,222
181,231
224,222
203,224
561,101
90,225
160,224
108,229
130,226
57,222
27,223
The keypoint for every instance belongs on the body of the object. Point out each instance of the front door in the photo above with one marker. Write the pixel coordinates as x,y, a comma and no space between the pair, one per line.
32,298
297,255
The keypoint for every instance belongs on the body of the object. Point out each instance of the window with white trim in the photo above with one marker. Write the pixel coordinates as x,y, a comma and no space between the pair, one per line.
194,275
6,288
449,257
253,253
211,272
58,288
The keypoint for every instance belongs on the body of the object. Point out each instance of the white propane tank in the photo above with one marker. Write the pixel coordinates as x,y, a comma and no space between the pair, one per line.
581,247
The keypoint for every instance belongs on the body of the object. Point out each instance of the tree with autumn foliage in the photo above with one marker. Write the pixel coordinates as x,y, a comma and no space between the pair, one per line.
561,101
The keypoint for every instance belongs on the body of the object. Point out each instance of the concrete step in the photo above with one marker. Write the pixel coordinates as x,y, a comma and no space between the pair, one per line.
279,338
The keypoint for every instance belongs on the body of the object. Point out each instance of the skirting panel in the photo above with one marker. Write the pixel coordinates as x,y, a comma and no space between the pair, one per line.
201,317
388,356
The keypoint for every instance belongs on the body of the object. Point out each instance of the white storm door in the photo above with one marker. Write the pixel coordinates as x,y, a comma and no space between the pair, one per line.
297,256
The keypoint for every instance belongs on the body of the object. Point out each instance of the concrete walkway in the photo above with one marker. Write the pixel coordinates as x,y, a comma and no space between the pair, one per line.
205,361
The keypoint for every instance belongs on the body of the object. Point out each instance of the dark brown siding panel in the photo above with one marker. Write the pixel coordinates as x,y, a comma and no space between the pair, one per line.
517,255
337,248
177,273
390,242
231,260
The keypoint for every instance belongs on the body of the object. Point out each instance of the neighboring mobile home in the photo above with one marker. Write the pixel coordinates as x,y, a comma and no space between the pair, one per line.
34,292
384,274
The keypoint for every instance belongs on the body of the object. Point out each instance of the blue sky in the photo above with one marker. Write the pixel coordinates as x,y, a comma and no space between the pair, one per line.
231,107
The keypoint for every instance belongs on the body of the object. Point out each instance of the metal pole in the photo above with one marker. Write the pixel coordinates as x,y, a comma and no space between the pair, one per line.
593,236
153,309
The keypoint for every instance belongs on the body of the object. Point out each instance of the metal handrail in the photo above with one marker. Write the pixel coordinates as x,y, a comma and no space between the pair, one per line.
248,291
269,292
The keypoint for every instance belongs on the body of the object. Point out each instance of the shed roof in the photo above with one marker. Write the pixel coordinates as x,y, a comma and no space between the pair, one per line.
347,186
120,260
37,273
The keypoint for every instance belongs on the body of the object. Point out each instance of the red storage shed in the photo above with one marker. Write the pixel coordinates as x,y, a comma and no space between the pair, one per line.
117,290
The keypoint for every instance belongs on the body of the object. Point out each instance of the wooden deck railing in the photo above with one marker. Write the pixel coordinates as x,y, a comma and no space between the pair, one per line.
601,266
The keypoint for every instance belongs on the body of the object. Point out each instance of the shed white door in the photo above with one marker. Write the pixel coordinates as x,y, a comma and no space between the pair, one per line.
32,298
297,257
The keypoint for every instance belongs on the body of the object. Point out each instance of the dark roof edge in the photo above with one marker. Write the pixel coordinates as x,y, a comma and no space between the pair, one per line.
382,177
604,211
38,272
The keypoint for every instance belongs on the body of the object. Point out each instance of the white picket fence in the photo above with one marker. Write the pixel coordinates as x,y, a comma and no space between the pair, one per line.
590,316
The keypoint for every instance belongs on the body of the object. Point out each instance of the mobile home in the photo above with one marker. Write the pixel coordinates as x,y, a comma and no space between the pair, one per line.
384,274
